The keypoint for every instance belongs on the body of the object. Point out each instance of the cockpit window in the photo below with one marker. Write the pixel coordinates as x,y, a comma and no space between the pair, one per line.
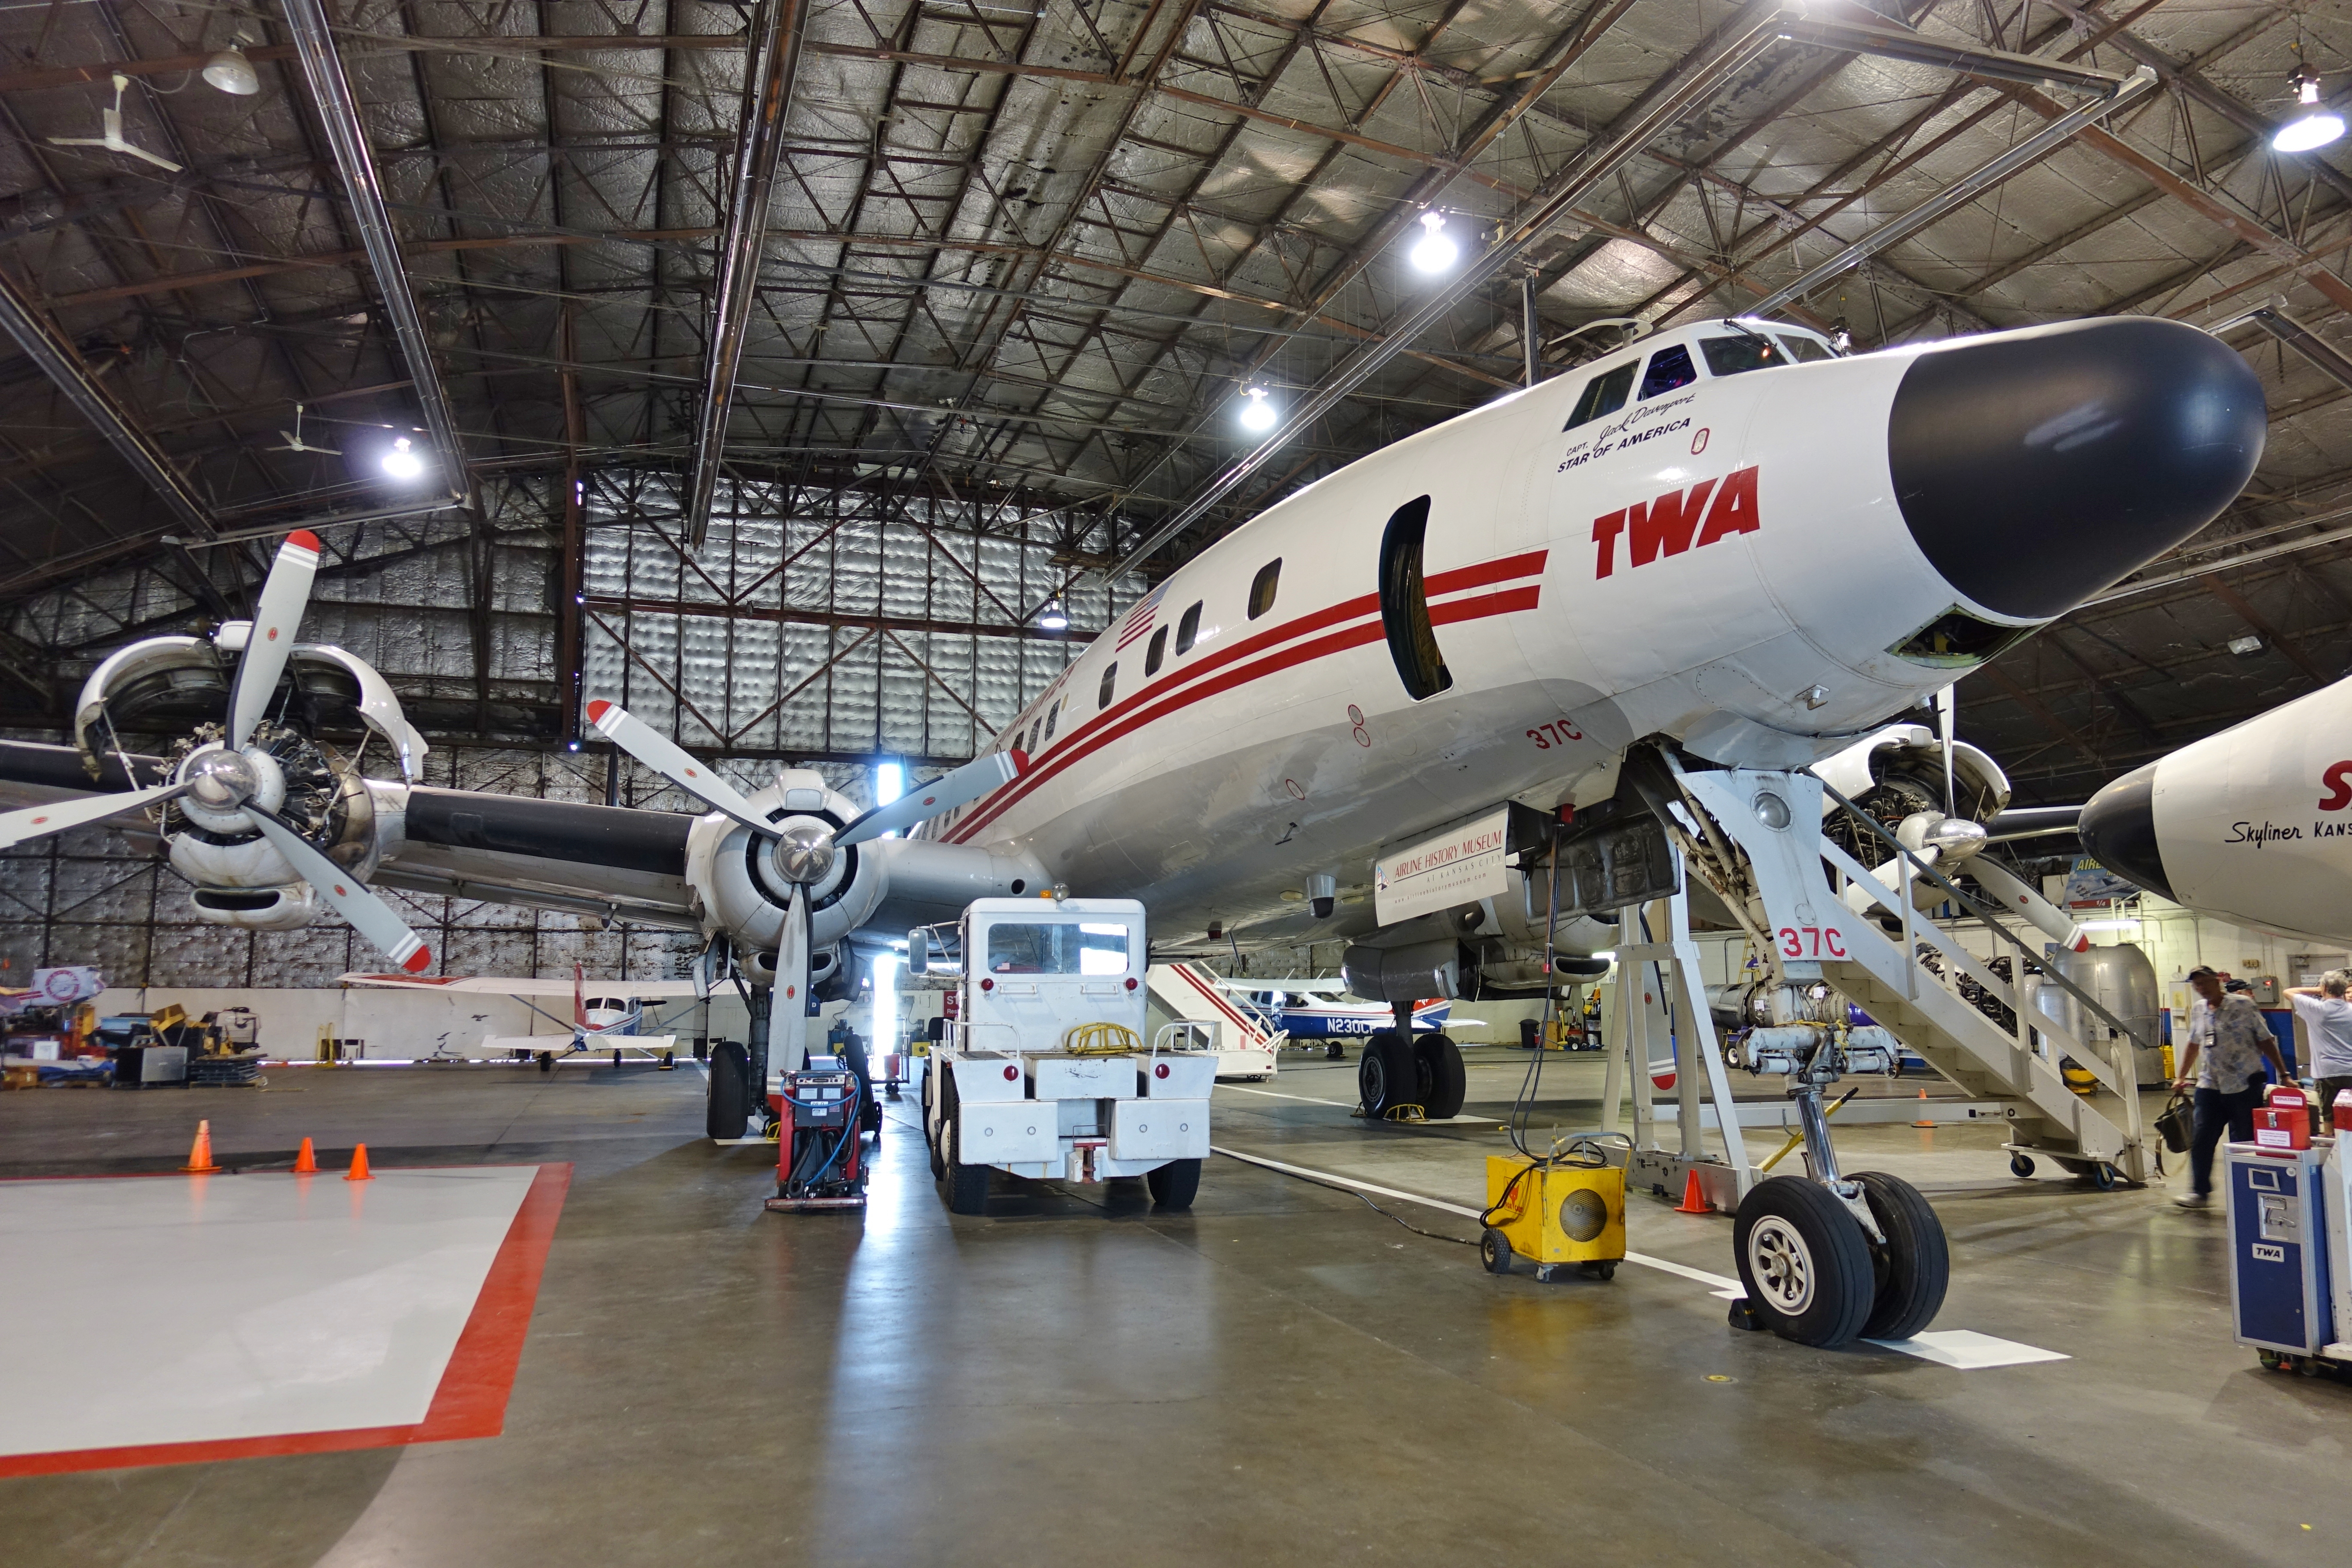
1730,356
1604,393
1669,368
1803,349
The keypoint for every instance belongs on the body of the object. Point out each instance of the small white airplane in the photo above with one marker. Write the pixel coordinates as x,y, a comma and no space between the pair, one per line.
1725,545
2253,825
1312,1010
612,1019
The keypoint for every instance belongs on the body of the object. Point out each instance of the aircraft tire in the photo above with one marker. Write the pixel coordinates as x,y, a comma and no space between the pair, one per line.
967,1184
1443,1082
546,1062
1912,1270
1174,1185
1804,1261
930,1131
1386,1076
728,1109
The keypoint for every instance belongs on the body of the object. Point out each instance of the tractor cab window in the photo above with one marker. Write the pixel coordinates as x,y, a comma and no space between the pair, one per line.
1057,948
1749,351
1604,393
1669,368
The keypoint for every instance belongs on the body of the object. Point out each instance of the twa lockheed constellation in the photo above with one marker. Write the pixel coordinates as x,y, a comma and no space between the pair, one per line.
1725,543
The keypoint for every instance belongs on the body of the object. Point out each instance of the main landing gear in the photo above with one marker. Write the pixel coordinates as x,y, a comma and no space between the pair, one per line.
1401,1069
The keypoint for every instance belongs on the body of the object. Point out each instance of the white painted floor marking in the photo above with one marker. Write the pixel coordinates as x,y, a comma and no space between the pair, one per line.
1962,1348
1350,1105
1968,1350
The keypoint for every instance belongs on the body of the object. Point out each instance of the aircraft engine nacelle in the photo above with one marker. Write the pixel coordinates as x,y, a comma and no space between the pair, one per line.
1898,771
242,881
743,891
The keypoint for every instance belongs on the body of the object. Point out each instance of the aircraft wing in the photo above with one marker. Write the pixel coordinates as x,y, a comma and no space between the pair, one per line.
612,861
504,985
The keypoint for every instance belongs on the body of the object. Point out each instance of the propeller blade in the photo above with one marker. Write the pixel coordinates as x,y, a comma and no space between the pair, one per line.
369,915
284,595
40,821
676,764
965,785
1947,703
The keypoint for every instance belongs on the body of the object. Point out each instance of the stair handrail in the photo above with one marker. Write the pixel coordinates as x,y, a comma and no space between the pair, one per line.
1923,869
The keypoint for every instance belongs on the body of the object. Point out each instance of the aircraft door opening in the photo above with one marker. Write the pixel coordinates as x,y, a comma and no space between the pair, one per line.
1404,602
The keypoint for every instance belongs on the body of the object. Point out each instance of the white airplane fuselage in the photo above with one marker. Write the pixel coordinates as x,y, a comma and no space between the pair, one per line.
2253,824
1725,563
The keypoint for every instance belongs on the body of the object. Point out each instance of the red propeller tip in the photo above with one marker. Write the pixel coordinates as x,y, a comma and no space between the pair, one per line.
419,962
596,710
306,539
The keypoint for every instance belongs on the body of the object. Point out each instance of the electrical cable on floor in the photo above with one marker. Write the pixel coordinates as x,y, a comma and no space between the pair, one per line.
1360,1197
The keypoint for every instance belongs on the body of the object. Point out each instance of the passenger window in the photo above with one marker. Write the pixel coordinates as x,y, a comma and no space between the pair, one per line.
1730,356
1156,654
1109,682
1404,600
1804,351
1188,630
1031,745
1051,714
1669,368
1604,393
1261,590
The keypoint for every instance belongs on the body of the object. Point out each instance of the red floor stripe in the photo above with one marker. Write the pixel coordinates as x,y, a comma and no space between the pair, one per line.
470,1400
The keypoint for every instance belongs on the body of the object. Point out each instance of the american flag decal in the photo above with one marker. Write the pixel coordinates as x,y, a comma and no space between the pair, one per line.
1139,619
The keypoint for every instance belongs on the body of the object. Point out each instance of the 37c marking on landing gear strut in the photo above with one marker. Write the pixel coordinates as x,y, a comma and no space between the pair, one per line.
1811,942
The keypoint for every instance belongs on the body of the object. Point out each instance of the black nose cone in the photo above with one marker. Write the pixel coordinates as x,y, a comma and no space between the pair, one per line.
2034,468
2118,829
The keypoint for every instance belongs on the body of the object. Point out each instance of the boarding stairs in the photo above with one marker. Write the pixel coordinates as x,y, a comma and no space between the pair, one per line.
2101,1135
1209,1016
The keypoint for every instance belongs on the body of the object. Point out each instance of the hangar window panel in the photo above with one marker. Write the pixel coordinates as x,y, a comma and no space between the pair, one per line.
1669,368
1604,393
1732,357
1156,654
1261,599
1404,600
1188,629
1110,686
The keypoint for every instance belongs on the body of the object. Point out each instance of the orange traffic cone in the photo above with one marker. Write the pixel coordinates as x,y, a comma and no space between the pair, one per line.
1694,1200
304,1161
200,1153
359,1170
1924,1121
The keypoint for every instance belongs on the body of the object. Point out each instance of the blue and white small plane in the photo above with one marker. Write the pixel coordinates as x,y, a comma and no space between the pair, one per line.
1317,1013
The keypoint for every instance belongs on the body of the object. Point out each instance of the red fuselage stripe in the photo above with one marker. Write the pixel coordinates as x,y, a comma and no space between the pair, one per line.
1182,690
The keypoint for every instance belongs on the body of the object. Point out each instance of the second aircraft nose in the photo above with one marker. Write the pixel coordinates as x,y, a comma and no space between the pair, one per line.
2034,468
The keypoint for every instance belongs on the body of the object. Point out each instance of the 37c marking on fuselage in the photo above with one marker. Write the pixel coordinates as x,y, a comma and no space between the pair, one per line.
1557,732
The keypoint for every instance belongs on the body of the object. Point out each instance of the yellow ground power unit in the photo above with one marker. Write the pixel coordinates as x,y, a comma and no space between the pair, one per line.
1554,1215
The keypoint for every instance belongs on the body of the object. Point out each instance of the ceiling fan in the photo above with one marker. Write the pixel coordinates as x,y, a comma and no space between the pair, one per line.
294,442
110,122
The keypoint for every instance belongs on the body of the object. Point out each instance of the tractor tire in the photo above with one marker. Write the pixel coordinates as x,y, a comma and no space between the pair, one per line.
1174,1185
967,1184
729,1111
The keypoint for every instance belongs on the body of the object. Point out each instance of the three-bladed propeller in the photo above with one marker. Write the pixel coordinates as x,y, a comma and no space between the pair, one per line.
230,784
803,853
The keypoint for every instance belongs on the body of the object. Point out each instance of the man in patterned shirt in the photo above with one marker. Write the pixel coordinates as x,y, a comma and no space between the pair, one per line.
2227,1047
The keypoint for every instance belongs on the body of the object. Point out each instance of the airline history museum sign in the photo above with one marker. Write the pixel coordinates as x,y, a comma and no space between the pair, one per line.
1460,864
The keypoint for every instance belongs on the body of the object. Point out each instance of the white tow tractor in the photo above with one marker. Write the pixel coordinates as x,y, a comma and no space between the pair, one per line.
1044,1071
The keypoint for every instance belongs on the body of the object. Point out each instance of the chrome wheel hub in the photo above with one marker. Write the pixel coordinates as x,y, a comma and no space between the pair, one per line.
1781,1265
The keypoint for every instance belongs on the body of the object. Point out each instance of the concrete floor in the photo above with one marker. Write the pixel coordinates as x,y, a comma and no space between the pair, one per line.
1282,1375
